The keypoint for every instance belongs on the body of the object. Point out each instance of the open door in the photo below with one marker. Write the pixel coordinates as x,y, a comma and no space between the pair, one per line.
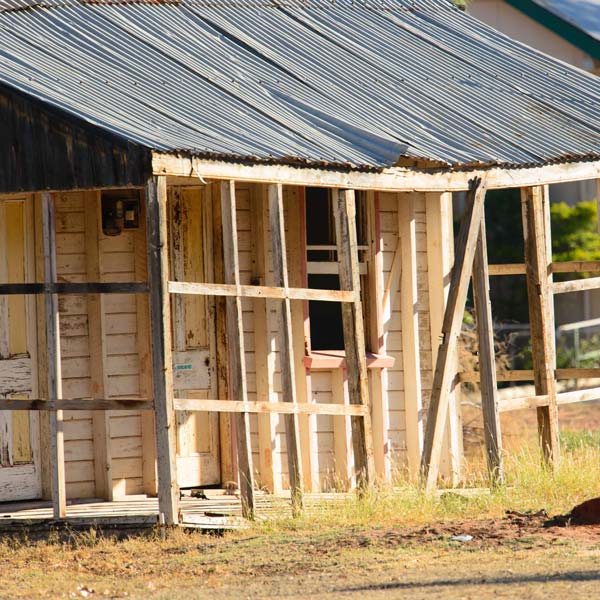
20,477
193,336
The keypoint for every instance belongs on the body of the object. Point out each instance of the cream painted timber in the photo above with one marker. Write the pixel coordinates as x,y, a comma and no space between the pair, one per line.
392,179
20,466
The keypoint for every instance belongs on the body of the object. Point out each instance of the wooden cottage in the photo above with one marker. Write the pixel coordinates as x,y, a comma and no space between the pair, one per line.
226,240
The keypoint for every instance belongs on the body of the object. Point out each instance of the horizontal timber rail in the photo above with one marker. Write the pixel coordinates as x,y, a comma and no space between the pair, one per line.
577,285
527,375
587,395
285,408
77,404
188,404
259,291
11,289
576,266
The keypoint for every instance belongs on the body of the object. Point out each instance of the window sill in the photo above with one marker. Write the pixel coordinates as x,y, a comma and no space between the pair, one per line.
328,360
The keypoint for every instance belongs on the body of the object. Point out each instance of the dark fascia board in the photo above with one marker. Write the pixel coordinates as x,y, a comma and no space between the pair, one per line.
559,26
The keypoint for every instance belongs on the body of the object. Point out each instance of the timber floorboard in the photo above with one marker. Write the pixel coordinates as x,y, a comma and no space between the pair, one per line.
218,510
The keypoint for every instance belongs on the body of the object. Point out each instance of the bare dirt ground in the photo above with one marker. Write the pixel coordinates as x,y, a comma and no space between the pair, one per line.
511,557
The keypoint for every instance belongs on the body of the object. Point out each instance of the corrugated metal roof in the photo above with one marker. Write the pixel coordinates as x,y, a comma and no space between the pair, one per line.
344,82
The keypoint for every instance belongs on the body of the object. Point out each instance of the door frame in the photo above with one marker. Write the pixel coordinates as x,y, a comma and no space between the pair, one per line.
23,482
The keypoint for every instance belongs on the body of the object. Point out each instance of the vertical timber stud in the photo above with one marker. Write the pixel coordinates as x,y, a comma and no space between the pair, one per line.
344,211
445,368
162,364
57,448
410,331
487,360
235,338
539,291
264,355
98,352
380,413
288,377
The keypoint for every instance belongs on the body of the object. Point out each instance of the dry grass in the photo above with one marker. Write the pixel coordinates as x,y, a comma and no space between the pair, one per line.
373,547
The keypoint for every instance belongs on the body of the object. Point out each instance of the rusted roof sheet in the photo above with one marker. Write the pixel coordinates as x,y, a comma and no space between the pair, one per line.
353,83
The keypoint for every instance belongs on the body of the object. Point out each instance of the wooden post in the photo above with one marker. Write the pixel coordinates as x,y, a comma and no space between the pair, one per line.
57,448
219,317
162,363
344,212
440,259
235,338
445,368
535,204
148,423
286,349
98,353
413,404
269,459
379,378
487,360
301,337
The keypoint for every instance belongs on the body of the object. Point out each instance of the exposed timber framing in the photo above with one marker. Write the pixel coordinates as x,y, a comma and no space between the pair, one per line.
301,336
379,377
282,408
286,345
535,205
487,360
413,403
98,352
264,355
162,364
394,179
344,212
577,285
527,375
440,258
259,291
84,404
445,369
236,348
53,362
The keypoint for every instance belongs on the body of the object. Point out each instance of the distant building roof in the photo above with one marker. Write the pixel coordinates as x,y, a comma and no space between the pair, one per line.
343,82
577,21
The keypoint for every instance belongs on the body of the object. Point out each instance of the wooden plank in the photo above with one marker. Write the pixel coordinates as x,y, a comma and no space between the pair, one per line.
54,377
162,364
235,338
227,444
301,335
445,364
524,402
413,405
258,291
535,203
97,348
143,346
577,285
282,408
487,360
344,212
527,375
576,266
135,287
507,269
378,377
286,344
80,404
440,258
393,179
269,458
342,432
